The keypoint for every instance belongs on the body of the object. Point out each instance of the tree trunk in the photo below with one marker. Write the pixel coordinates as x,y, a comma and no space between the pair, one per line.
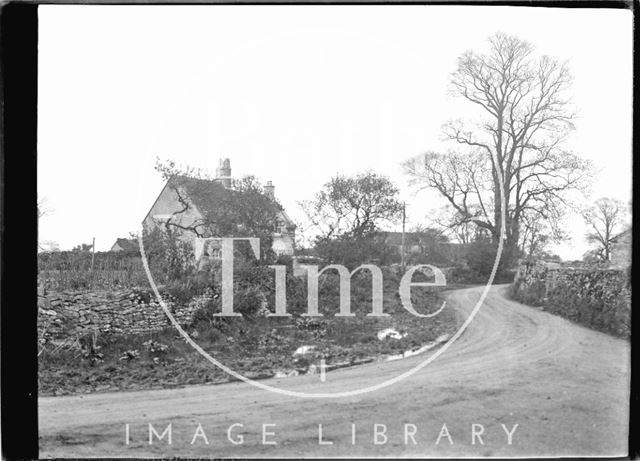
497,210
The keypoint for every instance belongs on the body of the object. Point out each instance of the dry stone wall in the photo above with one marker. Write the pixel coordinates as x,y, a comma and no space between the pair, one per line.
70,314
597,298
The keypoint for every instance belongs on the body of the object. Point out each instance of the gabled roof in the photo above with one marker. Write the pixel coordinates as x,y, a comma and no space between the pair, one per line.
207,195
395,238
624,233
127,244
209,188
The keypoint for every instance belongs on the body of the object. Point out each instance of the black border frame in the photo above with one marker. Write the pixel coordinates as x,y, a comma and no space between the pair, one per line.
18,220
18,266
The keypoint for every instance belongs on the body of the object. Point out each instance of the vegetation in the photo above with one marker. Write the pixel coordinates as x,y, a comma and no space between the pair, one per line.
346,216
354,206
599,299
525,116
71,270
240,210
606,219
256,346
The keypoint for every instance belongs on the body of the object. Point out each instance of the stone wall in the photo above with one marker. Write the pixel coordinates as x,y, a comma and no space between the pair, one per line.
69,314
597,298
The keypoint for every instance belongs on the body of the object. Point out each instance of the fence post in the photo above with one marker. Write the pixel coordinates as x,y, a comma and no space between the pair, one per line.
93,252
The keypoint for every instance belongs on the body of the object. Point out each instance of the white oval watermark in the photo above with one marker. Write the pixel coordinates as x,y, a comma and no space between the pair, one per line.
354,392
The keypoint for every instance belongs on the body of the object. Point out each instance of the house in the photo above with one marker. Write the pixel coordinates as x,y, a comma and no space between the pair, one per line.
429,243
620,255
187,202
123,244
413,241
454,251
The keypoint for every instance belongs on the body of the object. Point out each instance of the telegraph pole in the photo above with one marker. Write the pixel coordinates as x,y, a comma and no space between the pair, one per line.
93,252
404,216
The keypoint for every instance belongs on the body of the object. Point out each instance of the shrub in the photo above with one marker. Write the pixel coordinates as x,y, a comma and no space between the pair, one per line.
169,257
155,347
248,301
130,354
353,251
596,298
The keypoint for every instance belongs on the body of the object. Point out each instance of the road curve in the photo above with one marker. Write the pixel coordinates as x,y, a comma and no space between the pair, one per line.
566,387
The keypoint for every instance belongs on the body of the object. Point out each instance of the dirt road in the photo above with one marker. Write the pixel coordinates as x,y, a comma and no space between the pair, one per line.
566,388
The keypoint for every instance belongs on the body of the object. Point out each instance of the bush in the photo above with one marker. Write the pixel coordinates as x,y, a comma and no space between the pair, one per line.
353,251
249,302
477,263
481,256
599,299
169,257
155,347
254,289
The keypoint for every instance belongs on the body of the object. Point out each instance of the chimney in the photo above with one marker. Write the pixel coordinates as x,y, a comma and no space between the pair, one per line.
223,173
269,190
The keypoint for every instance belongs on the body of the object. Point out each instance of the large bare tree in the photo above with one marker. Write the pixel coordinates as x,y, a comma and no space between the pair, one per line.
524,118
605,219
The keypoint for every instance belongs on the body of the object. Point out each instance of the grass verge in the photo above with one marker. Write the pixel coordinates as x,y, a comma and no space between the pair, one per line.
256,348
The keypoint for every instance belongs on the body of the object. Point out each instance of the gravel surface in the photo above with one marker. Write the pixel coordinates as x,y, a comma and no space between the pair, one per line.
566,387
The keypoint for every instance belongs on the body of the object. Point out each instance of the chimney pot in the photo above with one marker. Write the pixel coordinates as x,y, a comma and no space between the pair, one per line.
269,189
223,173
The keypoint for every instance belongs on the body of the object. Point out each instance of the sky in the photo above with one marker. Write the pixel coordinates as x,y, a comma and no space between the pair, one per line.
291,94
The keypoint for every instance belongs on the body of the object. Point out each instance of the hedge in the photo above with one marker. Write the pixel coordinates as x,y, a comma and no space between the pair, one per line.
597,298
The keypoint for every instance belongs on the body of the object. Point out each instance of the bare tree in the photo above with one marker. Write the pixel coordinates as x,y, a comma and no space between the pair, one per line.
427,239
526,117
43,210
452,227
536,235
605,220
42,207
462,179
